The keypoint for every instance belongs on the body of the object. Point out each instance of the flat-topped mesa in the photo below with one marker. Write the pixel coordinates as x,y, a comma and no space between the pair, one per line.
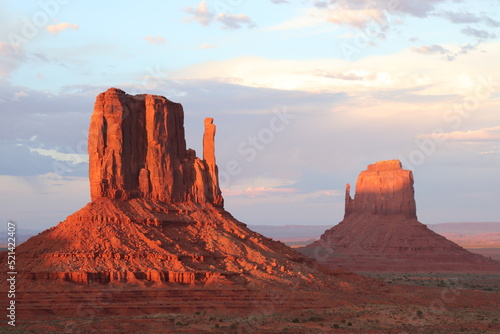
384,188
137,149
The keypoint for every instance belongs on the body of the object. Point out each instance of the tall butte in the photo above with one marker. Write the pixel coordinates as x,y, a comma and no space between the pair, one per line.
156,213
380,231
137,149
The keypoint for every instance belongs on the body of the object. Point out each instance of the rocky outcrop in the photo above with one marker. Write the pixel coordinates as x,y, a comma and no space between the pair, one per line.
380,231
156,213
137,149
385,188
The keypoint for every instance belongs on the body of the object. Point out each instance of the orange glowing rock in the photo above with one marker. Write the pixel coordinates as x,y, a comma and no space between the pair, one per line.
157,211
380,231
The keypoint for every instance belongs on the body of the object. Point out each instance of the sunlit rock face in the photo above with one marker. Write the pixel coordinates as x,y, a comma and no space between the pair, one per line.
137,149
156,214
380,230
385,188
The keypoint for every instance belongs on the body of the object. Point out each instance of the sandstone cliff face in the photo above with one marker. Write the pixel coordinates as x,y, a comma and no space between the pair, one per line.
380,231
137,149
384,188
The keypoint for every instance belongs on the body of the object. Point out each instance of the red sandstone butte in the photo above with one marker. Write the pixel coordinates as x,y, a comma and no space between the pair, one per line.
380,231
137,149
156,213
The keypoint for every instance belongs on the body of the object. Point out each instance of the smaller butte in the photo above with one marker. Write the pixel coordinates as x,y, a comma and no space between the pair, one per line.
380,231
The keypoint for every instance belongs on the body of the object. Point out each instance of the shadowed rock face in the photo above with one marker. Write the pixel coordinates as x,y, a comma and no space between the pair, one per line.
137,149
380,231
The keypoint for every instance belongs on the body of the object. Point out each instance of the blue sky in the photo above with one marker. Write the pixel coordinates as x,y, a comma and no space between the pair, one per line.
305,94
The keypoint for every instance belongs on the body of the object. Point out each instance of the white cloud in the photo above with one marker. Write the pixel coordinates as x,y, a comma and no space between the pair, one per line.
74,158
55,29
201,14
204,16
358,18
484,134
407,70
258,191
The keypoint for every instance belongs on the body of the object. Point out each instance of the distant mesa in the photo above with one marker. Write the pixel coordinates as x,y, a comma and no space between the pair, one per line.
156,214
380,231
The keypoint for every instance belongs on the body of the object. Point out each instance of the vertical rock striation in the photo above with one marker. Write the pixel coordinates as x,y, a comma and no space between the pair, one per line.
137,149
384,188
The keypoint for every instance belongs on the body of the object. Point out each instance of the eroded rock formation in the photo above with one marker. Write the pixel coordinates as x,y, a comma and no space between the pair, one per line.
380,231
385,188
156,213
137,149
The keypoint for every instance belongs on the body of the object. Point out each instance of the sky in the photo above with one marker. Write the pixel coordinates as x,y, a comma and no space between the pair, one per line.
305,94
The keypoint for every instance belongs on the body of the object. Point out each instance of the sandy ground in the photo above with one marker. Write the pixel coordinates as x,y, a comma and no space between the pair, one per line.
408,304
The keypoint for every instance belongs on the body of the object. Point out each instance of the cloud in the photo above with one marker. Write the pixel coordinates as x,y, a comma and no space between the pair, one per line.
309,18
482,34
320,4
279,1
205,17
431,49
484,134
60,27
257,191
74,158
360,14
201,14
11,58
461,17
468,17
234,21
358,18
155,40
343,76
308,75
489,21
447,54
20,94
